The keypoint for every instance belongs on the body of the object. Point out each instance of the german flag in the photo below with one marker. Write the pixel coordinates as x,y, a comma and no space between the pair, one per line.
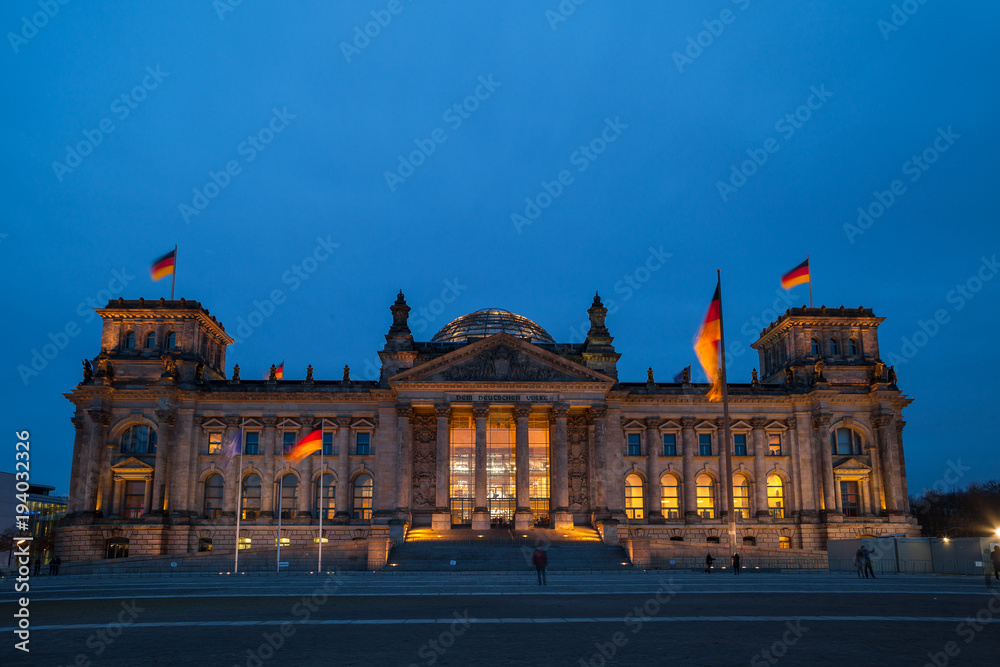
164,266
313,442
279,372
706,345
797,276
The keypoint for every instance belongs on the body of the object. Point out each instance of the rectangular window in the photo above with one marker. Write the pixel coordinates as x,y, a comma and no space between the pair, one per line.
634,446
774,444
135,494
364,444
538,468
252,443
670,444
328,449
462,468
704,444
287,442
739,444
215,442
849,498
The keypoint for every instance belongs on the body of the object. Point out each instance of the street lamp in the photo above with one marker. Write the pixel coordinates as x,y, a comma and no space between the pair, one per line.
998,532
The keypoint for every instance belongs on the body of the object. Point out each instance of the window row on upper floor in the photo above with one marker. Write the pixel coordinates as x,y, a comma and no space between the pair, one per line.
673,445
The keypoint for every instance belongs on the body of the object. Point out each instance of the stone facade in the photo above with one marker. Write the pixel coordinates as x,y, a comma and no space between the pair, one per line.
552,436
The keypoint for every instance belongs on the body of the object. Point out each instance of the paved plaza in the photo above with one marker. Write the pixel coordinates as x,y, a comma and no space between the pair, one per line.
507,619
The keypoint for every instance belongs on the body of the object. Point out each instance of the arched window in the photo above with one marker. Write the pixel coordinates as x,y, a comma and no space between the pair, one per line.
139,439
326,495
815,347
845,442
853,348
834,346
633,497
705,494
150,340
129,340
741,496
776,496
214,492
250,497
171,341
289,496
363,497
116,547
670,498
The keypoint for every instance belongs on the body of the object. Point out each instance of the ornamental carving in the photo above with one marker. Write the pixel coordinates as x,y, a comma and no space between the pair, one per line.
424,461
442,410
688,422
578,458
480,411
269,422
502,363
98,416
880,419
821,419
166,417
522,411
758,422
599,411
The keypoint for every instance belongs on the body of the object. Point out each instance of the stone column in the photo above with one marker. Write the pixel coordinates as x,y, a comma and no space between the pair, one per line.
161,471
270,447
601,511
863,495
523,517
97,481
875,479
760,468
480,511
615,462
404,435
821,427
809,481
884,432
76,480
689,442
147,495
653,490
182,474
442,510
793,493
904,492
306,467
562,518
343,439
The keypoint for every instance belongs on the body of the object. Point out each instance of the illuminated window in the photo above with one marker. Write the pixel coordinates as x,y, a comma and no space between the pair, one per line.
814,347
363,444
670,498
326,497
784,542
849,498
740,444
853,348
252,446
741,496
704,444
538,467
834,346
116,547
776,496
250,497
462,468
135,496
705,496
139,439
774,444
214,493
150,340
215,442
364,497
204,544
634,508
245,543
289,486
670,444
845,442
634,444
129,340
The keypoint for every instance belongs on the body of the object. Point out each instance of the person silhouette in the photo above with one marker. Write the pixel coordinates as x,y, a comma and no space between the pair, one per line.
540,559
736,563
708,563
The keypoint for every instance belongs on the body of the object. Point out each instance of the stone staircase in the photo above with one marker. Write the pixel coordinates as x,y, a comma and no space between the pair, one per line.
504,550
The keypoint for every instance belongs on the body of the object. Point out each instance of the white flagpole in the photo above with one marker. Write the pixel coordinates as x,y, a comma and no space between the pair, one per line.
727,462
322,500
239,501
281,485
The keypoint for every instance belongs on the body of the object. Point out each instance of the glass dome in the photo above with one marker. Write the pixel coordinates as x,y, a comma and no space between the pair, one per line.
491,321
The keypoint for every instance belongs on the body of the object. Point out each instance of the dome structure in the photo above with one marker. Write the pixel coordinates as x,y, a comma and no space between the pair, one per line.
487,322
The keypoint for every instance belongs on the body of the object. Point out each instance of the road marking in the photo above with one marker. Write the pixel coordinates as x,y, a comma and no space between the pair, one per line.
492,621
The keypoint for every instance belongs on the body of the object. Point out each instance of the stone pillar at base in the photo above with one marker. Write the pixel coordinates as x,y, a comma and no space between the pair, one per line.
609,531
692,517
441,520
524,520
562,520
831,516
480,519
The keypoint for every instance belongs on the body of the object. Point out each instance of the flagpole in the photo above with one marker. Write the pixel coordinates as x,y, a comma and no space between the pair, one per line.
173,280
239,500
810,281
322,503
281,486
727,462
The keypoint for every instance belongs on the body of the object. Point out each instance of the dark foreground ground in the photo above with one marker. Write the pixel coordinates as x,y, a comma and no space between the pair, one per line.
651,619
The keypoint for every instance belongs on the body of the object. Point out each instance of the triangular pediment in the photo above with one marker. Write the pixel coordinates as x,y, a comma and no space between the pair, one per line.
852,465
501,358
132,467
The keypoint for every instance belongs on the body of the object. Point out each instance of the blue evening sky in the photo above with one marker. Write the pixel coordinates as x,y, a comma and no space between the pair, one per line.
612,119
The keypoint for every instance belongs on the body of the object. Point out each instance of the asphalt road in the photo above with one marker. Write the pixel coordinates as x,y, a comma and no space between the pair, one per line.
686,619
